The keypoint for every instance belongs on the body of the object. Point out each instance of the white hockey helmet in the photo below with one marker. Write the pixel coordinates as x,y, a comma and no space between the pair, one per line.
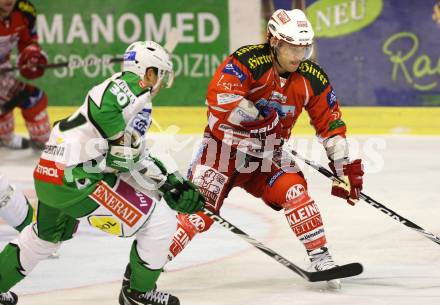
141,55
292,27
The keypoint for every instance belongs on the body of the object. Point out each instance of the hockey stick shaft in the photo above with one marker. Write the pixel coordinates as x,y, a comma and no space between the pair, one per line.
227,225
283,261
72,64
293,154
317,276
173,37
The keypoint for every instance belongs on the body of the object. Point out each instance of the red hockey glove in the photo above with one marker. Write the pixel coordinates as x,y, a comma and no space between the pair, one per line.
351,175
30,62
263,128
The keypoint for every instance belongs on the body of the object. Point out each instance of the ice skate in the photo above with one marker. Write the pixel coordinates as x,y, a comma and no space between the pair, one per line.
130,296
322,260
8,298
15,142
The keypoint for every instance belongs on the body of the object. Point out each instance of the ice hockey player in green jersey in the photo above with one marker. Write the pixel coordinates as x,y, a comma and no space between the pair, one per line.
96,168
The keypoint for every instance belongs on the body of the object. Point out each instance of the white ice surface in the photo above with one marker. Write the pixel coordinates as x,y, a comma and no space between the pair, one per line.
401,266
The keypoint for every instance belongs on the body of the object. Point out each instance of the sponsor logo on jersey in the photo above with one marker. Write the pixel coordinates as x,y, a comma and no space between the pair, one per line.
140,200
27,7
49,172
331,98
120,207
306,67
210,183
232,69
141,122
54,150
283,17
278,97
295,191
246,49
142,84
264,106
227,98
228,85
256,61
275,177
335,124
107,224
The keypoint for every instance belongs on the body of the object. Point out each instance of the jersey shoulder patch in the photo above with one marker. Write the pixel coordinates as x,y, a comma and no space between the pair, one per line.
256,58
315,75
28,10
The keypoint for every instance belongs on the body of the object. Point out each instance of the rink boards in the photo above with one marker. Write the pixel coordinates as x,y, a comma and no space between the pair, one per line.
360,120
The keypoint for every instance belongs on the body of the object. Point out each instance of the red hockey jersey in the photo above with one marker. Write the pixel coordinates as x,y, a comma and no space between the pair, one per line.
250,73
18,29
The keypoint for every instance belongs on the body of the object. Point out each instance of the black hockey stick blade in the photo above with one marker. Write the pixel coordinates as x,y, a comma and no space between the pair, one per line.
339,272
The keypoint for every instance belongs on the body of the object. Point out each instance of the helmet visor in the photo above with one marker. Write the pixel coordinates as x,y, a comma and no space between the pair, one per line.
166,78
295,52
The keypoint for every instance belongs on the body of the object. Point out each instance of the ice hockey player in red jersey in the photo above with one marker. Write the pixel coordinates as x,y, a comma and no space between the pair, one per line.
254,100
17,28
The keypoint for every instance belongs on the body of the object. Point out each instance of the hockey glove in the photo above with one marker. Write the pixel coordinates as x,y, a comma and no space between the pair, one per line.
180,194
184,198
351,175
31,62
124,152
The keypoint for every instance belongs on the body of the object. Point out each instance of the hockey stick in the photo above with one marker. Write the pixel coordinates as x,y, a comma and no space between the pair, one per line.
171,43
293,154
317,276
72,64
341,271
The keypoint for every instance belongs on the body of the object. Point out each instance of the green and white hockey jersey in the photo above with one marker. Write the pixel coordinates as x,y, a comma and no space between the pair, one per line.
117,105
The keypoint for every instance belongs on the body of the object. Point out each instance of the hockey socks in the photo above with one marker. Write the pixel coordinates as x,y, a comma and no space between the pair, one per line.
10,271
141,277
304,218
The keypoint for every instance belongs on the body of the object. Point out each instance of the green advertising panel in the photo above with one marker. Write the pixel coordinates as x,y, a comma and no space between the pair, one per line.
335,18
100,30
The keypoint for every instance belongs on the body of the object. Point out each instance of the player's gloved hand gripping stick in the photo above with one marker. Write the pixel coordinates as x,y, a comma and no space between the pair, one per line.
294,155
